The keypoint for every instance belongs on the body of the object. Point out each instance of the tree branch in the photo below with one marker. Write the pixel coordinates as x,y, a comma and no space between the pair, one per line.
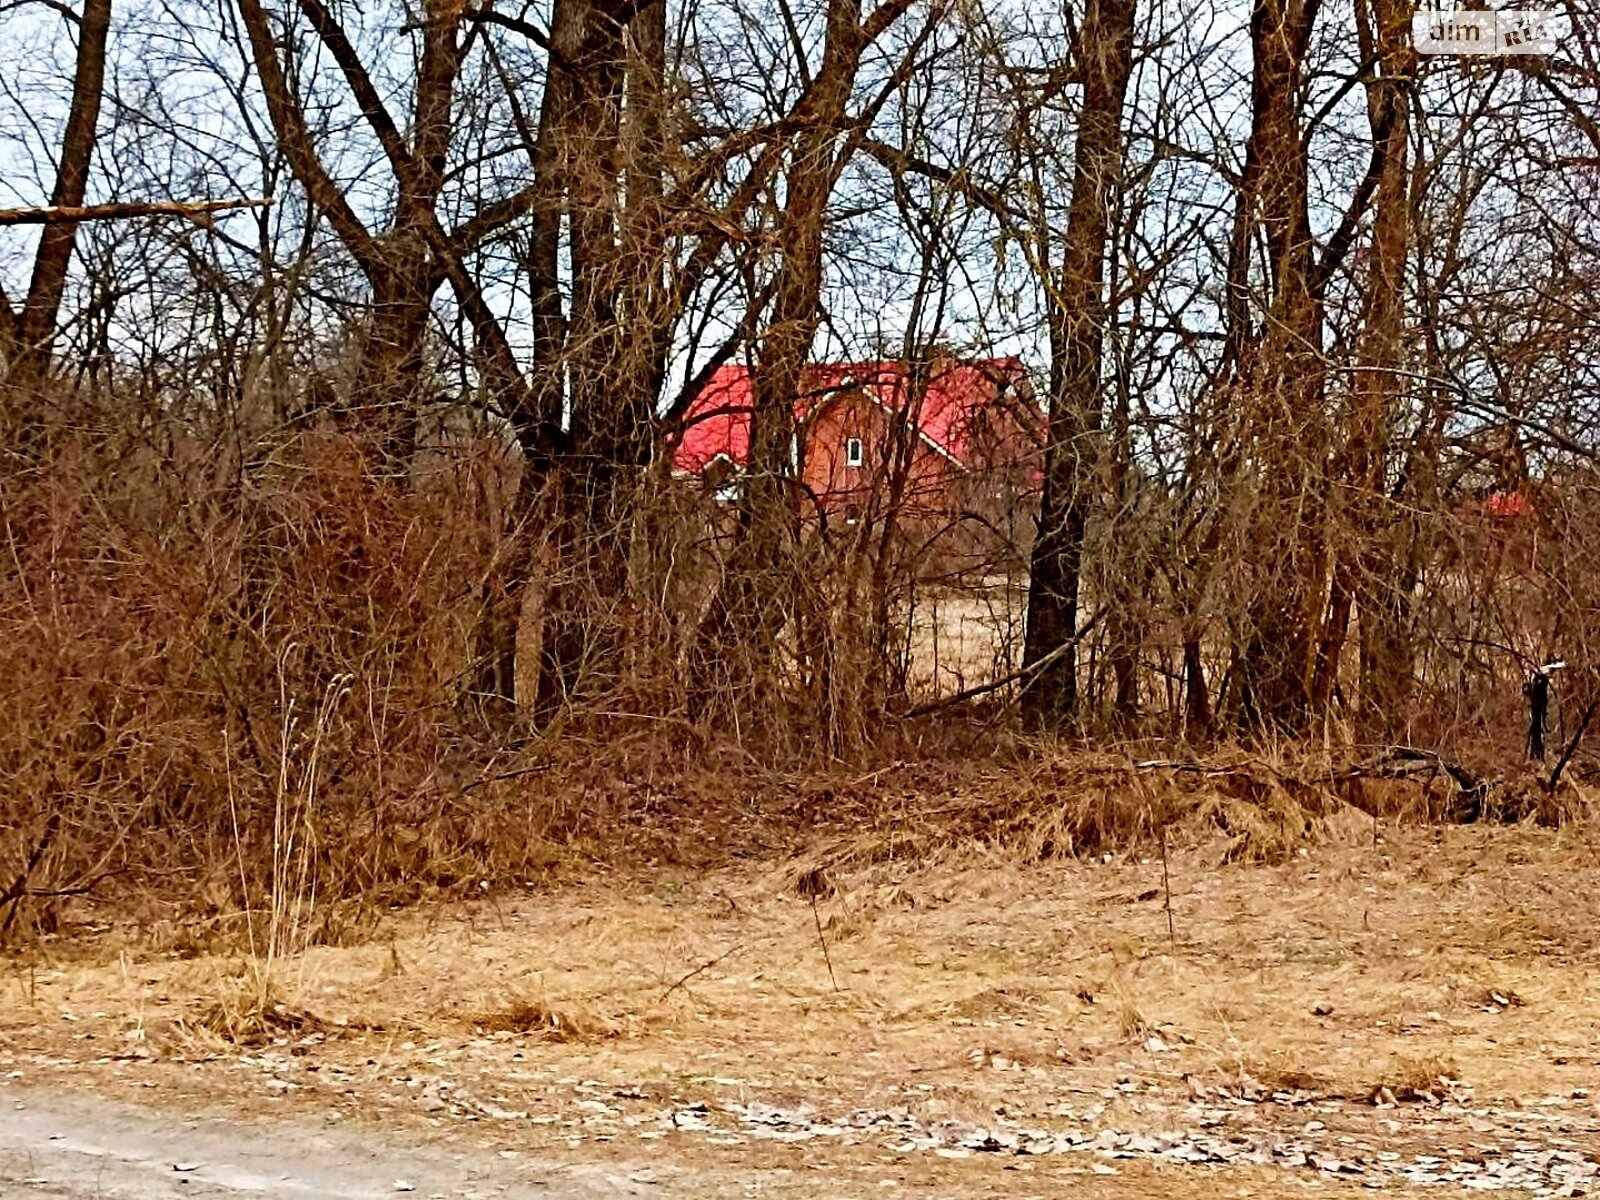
532,32
367,99
1028,671
289,122
54,5
1344,236
36,323
71,215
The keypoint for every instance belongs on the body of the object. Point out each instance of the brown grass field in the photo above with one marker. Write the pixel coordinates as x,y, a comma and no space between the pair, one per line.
580,1023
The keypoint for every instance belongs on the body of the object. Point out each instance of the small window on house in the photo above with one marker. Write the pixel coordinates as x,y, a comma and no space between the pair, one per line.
852,452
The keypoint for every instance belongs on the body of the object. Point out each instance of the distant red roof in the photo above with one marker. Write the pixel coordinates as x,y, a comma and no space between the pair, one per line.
717,424
1507,504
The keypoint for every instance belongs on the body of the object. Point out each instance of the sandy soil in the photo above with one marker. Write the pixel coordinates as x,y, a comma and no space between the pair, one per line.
1413,1011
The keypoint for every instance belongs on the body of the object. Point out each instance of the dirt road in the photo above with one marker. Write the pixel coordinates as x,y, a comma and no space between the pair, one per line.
56,1146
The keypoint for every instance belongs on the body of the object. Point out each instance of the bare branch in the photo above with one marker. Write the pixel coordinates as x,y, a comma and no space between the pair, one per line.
289,122
197,211
367,99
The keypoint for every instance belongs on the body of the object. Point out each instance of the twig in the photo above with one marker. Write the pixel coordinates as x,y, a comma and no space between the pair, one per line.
71,215
77,889
518,773
816,917
1572,745
705,966
1166,890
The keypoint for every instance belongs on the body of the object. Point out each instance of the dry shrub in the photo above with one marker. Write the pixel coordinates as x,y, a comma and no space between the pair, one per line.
240,699
1267,817
1044,803
208,673
248,1008
1276,1074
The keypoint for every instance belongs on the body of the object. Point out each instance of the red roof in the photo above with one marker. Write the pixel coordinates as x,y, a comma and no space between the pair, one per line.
1507,504
717,424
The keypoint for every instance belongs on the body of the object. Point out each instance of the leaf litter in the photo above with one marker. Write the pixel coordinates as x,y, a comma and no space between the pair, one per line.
1517,1164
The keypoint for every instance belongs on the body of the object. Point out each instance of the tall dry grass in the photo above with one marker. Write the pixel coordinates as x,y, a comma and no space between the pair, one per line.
242,690
232,681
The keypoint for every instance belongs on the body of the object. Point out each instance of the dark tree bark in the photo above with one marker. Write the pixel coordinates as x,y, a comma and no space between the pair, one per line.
27,336
1077,335
600,122
1382,586
1283,383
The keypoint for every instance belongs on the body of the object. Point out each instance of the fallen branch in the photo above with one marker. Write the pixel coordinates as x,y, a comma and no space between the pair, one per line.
59,215
1396,762
703,967
972,693
1399,762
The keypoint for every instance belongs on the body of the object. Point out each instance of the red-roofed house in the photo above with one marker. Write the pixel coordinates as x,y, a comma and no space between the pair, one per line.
976,427
1507,506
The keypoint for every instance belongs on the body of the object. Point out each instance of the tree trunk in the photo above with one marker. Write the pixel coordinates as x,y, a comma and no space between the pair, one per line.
1077,331
736,648
600,120
32,330
1359,577
389,376
1382,584
1196,693
1284,383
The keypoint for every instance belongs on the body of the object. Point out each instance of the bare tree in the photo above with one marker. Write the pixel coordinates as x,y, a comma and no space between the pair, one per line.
27,334
1364,564
1103,56
407,262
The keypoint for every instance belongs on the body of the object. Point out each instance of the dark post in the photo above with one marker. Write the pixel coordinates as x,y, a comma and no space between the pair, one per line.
1537,690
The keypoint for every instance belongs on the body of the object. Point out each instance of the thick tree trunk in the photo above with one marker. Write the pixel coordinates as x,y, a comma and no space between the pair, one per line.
1383,582
31,331
581,631
390,373
600,121
1364,572
1196,693
1077,332
1284,383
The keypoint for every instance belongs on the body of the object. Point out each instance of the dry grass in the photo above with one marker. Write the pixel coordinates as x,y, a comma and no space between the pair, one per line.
1423,964
522,1015
1354,968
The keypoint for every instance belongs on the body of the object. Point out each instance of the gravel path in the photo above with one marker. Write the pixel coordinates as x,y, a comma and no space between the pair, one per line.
80,1148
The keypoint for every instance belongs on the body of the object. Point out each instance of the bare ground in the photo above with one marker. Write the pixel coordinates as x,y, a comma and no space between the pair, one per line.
1417,1012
